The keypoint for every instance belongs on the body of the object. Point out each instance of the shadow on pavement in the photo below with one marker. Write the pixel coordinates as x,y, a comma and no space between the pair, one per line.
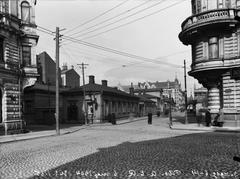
205,155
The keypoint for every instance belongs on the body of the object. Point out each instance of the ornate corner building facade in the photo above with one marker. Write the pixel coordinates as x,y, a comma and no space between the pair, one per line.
18,40
213,31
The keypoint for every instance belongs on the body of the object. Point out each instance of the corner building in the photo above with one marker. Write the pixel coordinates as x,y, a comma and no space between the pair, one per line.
213,31
18,70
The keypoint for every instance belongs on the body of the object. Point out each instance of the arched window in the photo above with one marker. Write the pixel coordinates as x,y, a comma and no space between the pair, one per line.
25,10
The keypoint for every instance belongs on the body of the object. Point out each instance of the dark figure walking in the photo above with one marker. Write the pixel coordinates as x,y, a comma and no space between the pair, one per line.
208,118
149,118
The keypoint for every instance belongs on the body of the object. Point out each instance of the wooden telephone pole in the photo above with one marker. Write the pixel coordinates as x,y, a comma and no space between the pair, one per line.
57,38
185,93
83,66
57,82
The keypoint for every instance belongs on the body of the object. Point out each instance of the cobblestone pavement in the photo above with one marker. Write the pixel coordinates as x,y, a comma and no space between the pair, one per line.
127,151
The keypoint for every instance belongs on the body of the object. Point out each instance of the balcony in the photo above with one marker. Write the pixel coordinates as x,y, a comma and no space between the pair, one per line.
217,18
9,21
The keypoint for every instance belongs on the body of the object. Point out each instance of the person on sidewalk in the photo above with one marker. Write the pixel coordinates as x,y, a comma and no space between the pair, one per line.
208,118
198,117
149,118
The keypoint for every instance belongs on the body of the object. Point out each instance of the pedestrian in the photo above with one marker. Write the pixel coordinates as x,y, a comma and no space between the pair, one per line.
149,118
208,117
221,117
198,117
216,120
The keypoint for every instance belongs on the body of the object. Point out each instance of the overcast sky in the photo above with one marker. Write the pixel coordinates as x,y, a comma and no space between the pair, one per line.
146,29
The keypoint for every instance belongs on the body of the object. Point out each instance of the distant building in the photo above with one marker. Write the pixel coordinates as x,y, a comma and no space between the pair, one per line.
47,69
162,90
70,78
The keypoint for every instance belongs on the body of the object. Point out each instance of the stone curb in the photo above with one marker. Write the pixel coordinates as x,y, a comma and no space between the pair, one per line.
40,134
211,129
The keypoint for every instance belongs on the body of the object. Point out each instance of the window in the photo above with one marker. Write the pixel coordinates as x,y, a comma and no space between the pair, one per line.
220,3
25,10
1,51
204,5
213,48
238,3
228,4
198,9
194,7
26,55
212,4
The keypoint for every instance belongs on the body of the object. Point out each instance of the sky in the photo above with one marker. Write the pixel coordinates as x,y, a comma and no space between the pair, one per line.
145,28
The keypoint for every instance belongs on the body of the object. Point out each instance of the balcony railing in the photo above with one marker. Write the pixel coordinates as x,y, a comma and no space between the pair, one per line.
217,14
9,20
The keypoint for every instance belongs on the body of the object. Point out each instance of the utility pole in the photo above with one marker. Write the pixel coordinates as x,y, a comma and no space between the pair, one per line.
170,108
185,93
57,38
83,66
57,81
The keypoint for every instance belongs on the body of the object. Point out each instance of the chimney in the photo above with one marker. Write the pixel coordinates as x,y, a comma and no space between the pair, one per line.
131,89
91,79
64,67
104,82
72,67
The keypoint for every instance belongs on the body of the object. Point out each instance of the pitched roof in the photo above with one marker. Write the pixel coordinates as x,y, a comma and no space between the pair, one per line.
149,96
100,88
44,88
144,99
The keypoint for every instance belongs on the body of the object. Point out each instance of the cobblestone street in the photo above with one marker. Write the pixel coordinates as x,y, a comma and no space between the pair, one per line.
131,150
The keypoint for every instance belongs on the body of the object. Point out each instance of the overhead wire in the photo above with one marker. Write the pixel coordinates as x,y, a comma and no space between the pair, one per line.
106,20
96,17
119,20
159,58
91,56
117,52
135,20
122,25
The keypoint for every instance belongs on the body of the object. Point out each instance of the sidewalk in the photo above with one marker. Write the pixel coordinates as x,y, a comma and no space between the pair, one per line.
196,127
47,133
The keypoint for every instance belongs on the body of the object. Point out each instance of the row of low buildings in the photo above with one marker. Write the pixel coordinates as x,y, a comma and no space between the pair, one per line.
101,100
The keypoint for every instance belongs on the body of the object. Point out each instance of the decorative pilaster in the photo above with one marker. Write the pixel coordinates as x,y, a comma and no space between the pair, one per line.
214,99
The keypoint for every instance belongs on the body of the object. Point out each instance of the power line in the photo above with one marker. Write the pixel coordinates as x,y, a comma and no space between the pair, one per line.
102,14
121,19
106,58
160,58
122,25
127,11
118,52
117,27
46,32
43,28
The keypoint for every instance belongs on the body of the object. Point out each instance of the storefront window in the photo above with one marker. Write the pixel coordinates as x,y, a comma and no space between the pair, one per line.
213,48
